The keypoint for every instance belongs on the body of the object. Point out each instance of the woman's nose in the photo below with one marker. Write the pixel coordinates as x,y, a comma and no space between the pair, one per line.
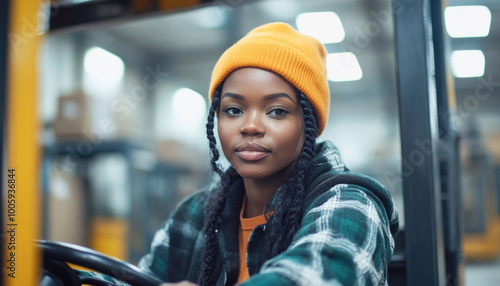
253,126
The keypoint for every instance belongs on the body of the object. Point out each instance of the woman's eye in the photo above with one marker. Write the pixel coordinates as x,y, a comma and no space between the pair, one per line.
232,111
278,112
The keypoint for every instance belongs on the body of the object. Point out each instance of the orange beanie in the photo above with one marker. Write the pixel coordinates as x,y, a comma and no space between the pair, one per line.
277,47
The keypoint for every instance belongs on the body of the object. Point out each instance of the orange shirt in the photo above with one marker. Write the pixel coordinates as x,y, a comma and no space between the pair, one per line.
247,225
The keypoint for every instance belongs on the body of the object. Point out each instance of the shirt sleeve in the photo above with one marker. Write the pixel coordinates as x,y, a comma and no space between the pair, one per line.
344,239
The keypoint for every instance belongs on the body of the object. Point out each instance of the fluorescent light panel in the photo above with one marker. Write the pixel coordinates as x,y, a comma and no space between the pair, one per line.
188,101
343,67
211,17
324,26
467,21
103,65
467,63
189,114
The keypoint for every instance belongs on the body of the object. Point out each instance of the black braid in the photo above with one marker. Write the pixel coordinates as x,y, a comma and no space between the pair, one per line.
287,211
215,205
287,208
210,133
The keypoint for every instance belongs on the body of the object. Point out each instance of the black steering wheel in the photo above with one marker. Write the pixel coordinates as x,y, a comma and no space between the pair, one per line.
57,272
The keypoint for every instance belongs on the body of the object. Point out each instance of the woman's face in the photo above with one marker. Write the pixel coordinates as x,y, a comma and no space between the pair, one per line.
260,124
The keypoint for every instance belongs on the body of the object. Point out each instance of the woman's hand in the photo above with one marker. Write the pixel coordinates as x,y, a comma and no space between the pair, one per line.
182,283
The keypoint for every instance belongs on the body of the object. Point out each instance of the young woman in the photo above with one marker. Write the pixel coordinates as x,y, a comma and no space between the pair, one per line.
287,211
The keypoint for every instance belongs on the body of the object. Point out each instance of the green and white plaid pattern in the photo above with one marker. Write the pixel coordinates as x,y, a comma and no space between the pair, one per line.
346,237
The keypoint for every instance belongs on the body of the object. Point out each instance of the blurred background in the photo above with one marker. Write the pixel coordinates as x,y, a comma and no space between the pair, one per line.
123,103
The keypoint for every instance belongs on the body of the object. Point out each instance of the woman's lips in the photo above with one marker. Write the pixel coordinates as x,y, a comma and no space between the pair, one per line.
251,155
252,151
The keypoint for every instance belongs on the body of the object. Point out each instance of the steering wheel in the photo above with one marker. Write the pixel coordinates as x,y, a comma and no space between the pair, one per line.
56,272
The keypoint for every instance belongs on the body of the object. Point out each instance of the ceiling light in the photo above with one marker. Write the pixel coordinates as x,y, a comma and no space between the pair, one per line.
103,65
281,10
343,67
467,21
324,26
189,105
189,109
211,17
467,63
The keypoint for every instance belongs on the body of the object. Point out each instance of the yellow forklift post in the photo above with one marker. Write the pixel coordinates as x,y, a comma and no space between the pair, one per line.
22,227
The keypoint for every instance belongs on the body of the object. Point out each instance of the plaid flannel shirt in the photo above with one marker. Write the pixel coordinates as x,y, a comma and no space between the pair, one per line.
346,237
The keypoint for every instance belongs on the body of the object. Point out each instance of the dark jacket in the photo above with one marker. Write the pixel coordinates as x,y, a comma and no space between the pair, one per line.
346,236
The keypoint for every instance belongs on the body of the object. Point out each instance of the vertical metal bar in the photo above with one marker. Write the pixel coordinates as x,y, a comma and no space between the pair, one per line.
4,22
22,143
419,138
448,150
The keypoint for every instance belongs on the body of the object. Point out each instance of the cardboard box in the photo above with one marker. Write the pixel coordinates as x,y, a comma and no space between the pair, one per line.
72,116
492,142
66,209
182,156
80,116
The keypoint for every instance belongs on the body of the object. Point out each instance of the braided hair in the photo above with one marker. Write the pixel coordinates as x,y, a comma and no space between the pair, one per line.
286,209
